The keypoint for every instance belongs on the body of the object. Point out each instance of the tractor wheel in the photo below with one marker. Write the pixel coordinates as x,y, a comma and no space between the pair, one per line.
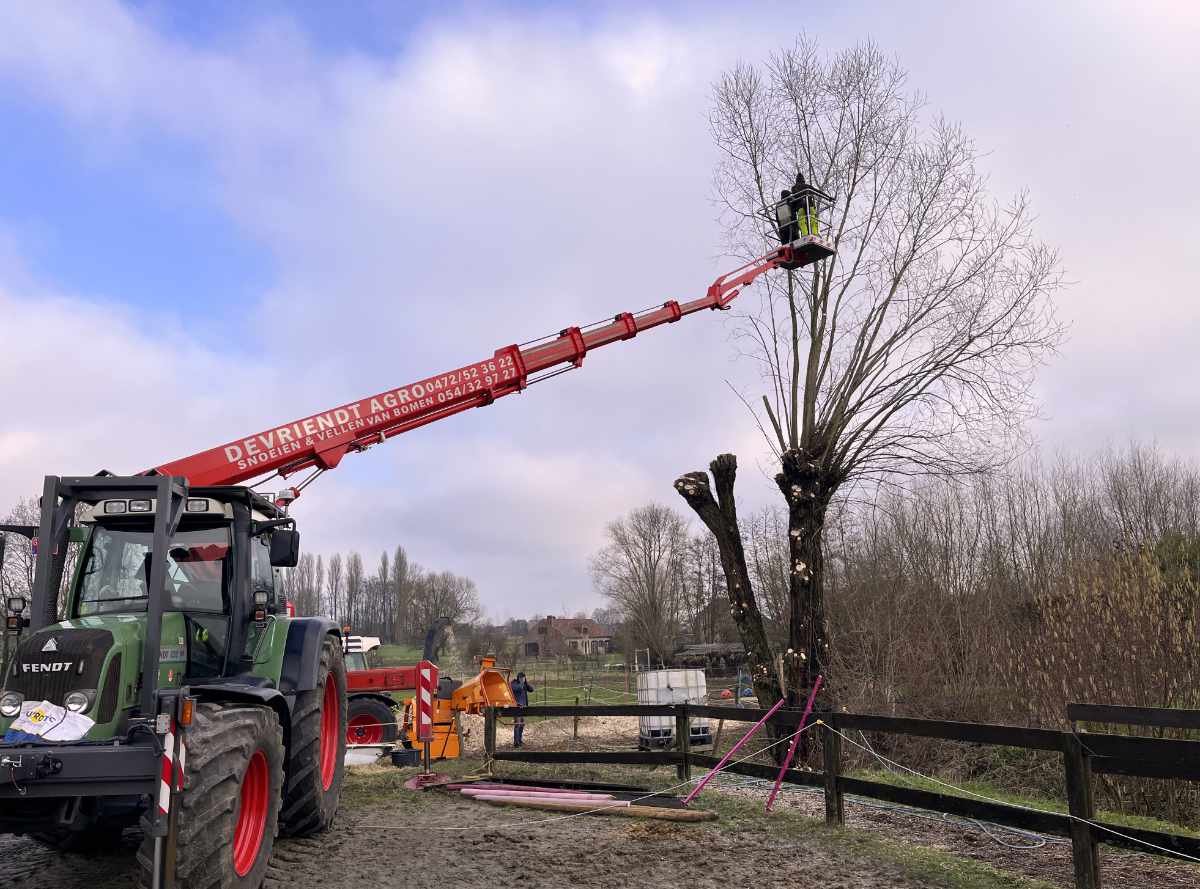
371,721
316,760
229,809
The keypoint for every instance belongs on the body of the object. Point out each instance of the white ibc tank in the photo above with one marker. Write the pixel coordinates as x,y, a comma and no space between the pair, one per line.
671,687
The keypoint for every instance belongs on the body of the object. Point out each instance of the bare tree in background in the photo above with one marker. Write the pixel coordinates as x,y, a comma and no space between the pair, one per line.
402,590
302,585
16,575
767,558
336,606
705,606
379,605
319,584
640,571
443,594
354,587
909,353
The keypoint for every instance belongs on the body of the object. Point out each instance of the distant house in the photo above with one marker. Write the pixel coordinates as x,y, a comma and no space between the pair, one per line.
555,636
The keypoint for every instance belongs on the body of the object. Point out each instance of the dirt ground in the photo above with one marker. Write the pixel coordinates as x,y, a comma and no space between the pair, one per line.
386,836
489,847
989,844
400,842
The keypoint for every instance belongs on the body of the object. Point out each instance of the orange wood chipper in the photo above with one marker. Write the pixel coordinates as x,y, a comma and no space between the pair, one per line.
373,705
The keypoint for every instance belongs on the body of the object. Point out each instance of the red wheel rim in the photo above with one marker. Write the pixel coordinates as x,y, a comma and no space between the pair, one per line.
330,729
252,819
364,729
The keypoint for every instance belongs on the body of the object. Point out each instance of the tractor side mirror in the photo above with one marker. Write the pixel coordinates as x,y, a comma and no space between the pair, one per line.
285,548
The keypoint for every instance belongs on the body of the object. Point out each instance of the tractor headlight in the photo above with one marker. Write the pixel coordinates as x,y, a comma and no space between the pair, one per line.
77,701
10,703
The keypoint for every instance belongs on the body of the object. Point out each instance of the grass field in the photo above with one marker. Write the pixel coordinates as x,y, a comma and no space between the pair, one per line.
397,655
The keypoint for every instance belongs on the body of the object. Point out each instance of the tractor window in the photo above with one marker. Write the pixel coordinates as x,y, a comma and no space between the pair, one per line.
356,660
206,643
262,575
113,578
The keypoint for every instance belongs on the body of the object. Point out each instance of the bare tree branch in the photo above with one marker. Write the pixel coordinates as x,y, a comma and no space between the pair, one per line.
912,351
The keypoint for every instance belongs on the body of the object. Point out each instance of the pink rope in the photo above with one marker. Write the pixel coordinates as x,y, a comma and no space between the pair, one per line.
812,696
724,759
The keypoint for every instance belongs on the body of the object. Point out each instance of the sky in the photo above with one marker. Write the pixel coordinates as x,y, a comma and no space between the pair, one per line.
216,218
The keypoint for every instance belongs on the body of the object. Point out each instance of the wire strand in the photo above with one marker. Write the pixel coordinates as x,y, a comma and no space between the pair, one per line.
989,799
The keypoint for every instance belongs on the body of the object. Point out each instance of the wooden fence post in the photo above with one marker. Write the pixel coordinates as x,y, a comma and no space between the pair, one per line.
489,737
683,738
575,733
831,750
1084,851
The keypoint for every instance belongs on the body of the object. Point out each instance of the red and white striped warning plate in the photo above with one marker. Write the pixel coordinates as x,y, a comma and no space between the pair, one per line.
172,768
426,689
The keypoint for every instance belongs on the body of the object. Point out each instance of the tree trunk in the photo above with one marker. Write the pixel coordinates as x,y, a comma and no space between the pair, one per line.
807,491
720,516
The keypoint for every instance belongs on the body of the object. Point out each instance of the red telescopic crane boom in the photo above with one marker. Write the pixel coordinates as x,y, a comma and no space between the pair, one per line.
321,440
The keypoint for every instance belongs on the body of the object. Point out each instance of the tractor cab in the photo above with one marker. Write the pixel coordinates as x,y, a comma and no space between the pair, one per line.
171,665
209,554
796,220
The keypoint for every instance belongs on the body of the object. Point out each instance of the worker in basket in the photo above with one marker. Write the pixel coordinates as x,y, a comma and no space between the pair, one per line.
803,206
785,217
520,689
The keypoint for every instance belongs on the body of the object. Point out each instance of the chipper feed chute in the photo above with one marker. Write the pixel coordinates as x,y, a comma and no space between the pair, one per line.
489,688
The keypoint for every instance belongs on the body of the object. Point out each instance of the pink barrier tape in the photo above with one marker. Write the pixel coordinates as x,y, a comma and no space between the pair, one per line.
734,749
812,696
596,804
540,795
491,785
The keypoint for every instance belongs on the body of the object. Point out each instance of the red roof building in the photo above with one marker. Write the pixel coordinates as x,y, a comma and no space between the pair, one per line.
554,636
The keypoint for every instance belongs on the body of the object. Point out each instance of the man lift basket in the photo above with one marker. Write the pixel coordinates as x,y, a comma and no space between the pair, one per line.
796,220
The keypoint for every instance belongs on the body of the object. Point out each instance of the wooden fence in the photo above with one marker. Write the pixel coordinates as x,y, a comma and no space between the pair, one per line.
1083,754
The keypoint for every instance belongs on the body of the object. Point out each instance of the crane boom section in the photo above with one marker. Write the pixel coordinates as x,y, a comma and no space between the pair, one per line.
321,440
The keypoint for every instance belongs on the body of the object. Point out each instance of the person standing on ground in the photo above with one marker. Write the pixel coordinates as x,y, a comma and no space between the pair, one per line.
520,689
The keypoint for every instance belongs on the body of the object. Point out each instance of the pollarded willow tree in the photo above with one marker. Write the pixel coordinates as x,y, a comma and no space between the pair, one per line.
911,352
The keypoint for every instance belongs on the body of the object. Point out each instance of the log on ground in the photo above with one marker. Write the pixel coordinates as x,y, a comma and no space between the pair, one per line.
628,811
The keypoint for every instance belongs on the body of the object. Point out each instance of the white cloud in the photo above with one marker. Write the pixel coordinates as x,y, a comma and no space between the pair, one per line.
86,388
512,174
494,184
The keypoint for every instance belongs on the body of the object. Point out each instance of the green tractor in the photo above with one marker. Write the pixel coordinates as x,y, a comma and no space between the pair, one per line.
178,690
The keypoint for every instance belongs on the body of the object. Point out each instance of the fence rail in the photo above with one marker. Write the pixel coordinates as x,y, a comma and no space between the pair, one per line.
1084,753
1157,717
